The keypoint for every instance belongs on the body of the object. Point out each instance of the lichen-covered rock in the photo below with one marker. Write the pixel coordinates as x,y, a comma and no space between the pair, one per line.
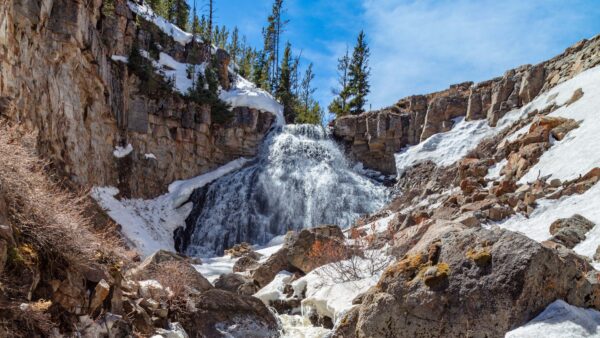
473,282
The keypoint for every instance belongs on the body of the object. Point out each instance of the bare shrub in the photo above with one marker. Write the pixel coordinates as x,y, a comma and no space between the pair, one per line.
362,258
176,276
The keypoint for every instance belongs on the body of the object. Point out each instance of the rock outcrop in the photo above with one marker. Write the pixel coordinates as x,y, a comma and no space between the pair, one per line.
301,252
374,137
473,282
59,78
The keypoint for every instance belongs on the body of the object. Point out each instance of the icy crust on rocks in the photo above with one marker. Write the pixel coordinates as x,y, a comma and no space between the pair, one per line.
149,224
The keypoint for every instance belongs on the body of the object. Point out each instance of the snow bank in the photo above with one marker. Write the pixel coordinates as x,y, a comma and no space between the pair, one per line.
246,94
121,152
275,289
178,72
560,320
168,28
180,191
149,224
578,152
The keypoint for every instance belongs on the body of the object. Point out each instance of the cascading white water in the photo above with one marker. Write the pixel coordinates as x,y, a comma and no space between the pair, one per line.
299,179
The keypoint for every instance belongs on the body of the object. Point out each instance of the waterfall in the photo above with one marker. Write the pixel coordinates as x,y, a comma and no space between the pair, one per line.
299,179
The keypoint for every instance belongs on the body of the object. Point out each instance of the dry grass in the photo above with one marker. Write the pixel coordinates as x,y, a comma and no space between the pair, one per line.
52,230
47,217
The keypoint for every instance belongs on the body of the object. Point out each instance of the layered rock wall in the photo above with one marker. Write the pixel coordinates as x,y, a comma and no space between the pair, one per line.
57,75
374,137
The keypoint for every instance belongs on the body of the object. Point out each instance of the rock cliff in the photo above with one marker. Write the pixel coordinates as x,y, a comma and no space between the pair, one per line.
58,76
374,137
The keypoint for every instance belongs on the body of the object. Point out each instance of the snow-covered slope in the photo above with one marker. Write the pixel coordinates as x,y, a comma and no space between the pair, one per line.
149,224
569,158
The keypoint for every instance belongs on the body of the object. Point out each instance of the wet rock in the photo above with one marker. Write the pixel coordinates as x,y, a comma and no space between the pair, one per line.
494,281
570,231
219,313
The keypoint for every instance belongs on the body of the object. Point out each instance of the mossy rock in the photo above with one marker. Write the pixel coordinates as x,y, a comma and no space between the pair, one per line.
436,276
481,257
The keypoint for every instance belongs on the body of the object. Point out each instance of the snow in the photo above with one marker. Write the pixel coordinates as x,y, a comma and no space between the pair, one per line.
149,224
494,171
150,156
275,289
577,153
168,28
560,320
213,267
180,191
121,152
179,72
295,326
120,58
327,294
246,94
446,148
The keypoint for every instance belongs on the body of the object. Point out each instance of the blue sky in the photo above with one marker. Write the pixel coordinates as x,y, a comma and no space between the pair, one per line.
419,46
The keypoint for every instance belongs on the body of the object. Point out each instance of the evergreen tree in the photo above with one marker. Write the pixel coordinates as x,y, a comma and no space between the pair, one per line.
359,71
284,87
206,91
339,106
309,111
260,71
272,37
234,46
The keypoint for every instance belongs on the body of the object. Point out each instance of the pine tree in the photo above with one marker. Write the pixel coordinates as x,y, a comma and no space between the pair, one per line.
206,91
284,87
309,111
339,106
260,71
234,46
359,71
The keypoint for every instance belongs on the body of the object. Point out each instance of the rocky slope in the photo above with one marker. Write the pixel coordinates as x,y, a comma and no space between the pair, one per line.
373,138
58,76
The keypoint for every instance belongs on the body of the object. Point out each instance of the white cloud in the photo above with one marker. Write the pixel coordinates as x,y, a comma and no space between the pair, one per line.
423,45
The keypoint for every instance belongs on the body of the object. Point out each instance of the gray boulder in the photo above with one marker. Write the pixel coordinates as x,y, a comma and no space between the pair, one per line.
473,282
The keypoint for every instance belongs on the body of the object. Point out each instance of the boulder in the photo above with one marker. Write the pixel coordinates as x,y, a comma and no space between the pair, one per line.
154,265
245,263
479,283
101,291
242,250
301,252
220,313
304,248
570,231
234,282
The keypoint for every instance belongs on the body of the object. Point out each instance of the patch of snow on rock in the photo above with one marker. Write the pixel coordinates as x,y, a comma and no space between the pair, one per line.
245,94
121,152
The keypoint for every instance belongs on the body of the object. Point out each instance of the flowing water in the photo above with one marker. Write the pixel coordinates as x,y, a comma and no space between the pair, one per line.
299,179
